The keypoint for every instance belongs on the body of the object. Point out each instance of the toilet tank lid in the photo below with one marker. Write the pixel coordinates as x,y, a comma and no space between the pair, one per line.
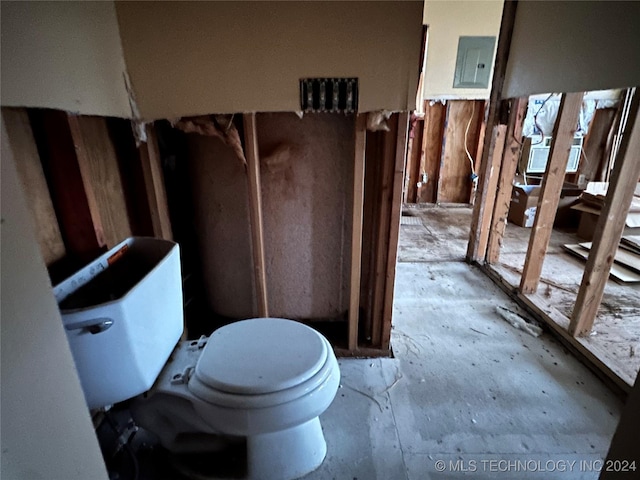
261,355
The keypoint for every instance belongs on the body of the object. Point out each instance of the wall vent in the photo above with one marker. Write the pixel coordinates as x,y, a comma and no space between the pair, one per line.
338,95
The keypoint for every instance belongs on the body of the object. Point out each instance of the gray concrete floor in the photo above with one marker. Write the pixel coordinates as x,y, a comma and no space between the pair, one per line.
467,395
465,387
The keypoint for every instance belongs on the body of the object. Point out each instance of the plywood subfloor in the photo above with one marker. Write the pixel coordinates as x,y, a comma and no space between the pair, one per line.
615,338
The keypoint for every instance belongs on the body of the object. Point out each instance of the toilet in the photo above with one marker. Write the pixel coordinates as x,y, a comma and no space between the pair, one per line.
264,379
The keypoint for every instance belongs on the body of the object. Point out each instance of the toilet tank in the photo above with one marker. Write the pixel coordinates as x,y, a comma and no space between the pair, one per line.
123,315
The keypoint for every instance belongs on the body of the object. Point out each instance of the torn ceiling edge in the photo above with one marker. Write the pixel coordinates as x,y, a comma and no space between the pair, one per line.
377,121
135,111
219,126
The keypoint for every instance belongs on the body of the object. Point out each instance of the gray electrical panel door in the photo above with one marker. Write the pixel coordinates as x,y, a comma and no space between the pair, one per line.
474,61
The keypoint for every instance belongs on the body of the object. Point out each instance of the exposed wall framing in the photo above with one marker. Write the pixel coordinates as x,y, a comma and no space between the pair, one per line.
94,187
33,181
475,248
610,223
82,191
624,181
552,181
356,232
505,181
430,153
462,129
438,167
384,168
255,210
156,195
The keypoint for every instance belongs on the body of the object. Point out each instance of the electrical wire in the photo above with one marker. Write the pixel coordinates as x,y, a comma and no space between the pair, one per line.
535,122
466,149
535,119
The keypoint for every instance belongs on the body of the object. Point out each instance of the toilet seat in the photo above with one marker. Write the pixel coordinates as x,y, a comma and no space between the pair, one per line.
261,356
261,363
281,425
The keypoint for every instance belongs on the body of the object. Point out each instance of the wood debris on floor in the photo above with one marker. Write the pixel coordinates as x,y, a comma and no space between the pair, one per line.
626,266
410,221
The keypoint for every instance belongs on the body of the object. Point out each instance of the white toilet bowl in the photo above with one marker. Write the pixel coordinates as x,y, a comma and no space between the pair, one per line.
264,379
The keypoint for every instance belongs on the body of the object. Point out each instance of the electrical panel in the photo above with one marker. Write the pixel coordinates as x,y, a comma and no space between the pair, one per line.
474,61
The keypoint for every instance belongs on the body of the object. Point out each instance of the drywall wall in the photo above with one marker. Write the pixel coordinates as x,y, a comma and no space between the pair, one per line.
187,58
564,46
306,168
64,55
447,21
46,428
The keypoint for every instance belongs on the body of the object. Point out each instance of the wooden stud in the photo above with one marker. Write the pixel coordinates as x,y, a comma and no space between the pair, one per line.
79,222
412,169
475,249
370,220
100,172
385,200
505,181
394,230
610,226
595,158
255,212
550,190
431,152
154,185
356,232
442,141
455,171
479,147
496,149
31,175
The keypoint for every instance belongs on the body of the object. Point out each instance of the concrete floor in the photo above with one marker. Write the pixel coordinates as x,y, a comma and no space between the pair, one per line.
465,388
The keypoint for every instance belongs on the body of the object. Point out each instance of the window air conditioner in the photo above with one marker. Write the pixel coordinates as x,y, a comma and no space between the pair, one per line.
536,154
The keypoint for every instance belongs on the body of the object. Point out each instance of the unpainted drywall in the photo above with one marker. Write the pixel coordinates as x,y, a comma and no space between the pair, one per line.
221,215
188,58
64,55
447,21
46,428
565,46
306,167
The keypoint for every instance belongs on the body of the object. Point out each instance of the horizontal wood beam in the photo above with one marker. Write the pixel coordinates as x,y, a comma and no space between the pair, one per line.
610,226
563,133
